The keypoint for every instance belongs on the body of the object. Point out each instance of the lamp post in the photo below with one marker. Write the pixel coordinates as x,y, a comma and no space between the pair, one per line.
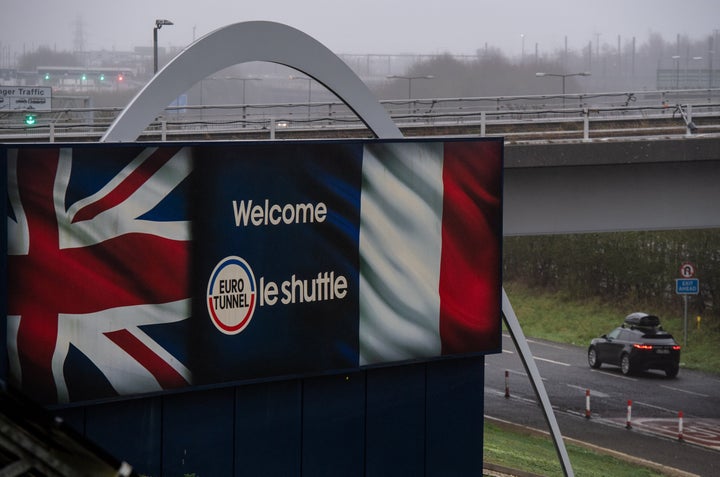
697,77
711,54
240,78
563,76
410,80
309,80
158,25
677,70
244,80
686,82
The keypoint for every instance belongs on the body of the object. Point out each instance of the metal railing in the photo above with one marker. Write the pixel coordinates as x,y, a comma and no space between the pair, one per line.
585,116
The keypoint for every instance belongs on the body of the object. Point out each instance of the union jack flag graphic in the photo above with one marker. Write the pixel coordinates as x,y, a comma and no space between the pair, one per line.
98,267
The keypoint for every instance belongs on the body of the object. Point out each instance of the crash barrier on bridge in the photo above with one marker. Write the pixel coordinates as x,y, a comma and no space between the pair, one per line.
515,118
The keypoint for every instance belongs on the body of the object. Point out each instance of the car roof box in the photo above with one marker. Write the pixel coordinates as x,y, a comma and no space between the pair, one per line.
642,320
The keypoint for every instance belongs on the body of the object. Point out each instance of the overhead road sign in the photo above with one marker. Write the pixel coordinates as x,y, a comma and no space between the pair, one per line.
37,98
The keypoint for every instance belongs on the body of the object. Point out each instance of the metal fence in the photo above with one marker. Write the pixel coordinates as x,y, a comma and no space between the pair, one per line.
587,115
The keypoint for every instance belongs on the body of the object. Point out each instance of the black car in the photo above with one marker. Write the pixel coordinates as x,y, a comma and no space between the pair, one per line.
639,344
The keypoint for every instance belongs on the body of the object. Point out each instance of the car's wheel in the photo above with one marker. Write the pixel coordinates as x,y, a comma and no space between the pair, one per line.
672,371
593,360
625,364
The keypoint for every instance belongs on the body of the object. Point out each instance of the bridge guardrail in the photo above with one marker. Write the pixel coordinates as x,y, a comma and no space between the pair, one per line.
594,115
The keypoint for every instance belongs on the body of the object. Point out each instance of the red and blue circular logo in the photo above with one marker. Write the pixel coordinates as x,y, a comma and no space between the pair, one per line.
231,295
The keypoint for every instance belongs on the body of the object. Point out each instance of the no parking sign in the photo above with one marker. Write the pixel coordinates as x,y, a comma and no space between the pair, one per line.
688,284
687,270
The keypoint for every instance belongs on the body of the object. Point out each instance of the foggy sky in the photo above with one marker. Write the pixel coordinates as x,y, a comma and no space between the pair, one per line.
360,26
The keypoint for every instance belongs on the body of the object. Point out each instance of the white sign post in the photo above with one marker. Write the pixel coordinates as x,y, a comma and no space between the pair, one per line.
687,285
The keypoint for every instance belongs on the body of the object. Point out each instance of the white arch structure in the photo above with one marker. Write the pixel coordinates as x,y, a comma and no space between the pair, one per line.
242,43
277,43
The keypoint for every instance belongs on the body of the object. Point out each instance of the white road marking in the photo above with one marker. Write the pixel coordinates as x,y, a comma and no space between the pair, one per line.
619,376
520,373
597,394
640,403
549,345
514,397
684,391
551,361
508,351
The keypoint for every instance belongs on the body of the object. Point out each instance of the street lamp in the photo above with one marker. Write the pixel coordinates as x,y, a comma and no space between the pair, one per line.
687,83
563,76
158,25
244,80
239,78
677,71
309,80
697,81
410,80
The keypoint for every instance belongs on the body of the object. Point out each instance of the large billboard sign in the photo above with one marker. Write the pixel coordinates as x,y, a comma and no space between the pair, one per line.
141,268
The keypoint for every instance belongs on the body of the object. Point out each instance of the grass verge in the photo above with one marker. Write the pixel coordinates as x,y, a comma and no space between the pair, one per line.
536,454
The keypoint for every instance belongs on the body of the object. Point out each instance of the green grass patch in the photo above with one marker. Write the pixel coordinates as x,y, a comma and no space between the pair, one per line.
536,454
555,316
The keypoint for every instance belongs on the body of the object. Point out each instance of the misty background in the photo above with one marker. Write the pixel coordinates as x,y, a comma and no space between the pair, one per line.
455,48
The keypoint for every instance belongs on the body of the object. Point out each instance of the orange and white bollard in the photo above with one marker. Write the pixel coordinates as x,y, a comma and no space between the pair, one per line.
587,404
628,422
680,425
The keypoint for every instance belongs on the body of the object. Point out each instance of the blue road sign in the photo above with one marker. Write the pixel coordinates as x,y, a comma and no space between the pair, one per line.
687,286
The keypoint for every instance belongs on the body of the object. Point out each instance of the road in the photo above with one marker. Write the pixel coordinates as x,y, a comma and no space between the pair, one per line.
656,403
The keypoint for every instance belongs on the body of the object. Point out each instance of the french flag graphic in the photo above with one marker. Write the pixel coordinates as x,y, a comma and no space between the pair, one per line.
430,236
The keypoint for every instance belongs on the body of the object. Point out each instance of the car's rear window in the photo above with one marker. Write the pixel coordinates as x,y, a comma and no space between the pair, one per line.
658,335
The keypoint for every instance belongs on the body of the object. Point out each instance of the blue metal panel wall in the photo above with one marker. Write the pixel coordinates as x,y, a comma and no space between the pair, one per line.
421,419
455,407
333,427
268,423
395,431
198,433
133,427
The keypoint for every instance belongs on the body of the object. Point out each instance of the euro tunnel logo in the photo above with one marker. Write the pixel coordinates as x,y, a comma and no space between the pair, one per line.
231,295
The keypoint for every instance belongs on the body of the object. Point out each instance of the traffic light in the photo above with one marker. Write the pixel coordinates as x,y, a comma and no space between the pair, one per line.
30,119
84,77
102,77
47,76
120,77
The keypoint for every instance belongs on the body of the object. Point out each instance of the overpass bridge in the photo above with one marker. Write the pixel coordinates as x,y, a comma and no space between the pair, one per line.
650,183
